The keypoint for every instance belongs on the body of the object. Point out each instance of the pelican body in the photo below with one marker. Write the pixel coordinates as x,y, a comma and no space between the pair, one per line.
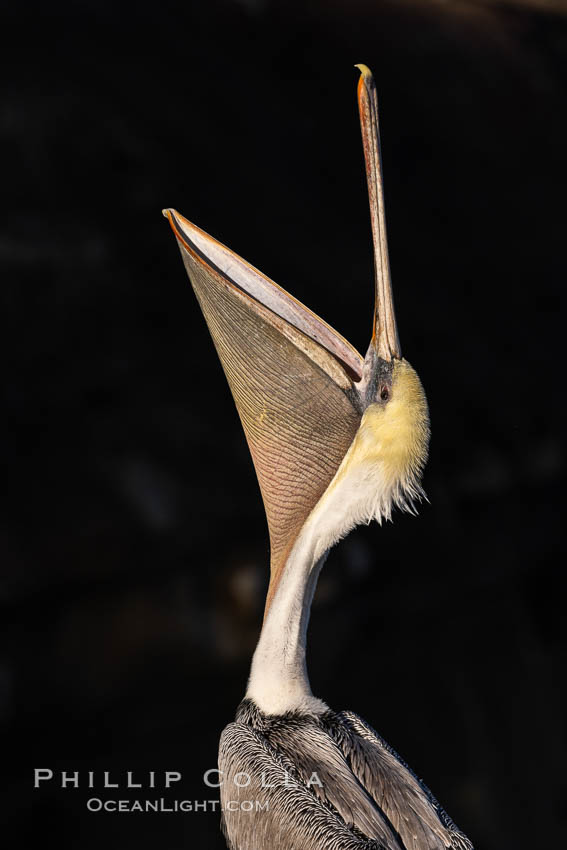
336,440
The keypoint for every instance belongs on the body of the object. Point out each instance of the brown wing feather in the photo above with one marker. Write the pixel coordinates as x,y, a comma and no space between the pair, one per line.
338,816
316,756
294,398
408,804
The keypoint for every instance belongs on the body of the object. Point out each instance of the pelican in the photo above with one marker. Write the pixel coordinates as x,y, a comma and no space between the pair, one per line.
336,440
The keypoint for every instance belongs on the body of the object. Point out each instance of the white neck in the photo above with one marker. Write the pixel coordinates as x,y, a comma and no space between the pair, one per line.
358,493
278,678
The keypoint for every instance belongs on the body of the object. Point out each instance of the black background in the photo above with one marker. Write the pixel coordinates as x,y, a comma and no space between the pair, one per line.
134,548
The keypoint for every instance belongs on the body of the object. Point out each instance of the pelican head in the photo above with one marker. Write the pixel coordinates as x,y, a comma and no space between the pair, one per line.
336,439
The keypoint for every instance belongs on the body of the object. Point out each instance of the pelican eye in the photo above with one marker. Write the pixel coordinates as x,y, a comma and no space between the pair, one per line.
384,393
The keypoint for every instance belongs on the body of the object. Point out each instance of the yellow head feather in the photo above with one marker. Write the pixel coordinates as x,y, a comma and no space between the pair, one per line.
386,458
397,433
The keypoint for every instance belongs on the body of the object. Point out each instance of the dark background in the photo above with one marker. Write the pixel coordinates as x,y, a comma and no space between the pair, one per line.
133,545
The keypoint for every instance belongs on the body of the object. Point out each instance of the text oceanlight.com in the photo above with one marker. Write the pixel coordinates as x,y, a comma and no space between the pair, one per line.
95,804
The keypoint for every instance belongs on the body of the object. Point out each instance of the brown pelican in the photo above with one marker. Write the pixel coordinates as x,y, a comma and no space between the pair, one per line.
336,440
